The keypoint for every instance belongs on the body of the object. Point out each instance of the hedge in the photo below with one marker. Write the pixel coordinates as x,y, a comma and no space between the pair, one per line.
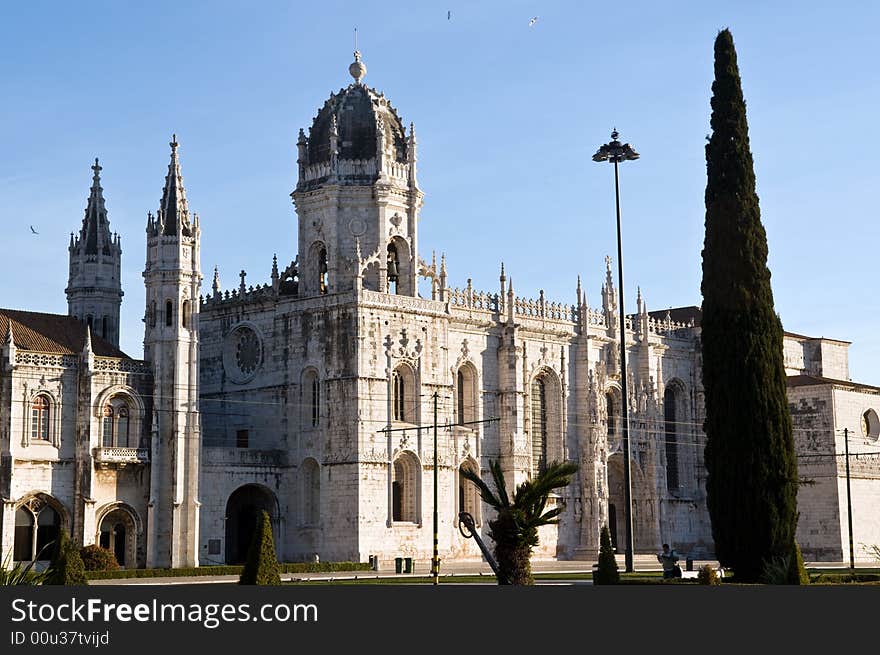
290,567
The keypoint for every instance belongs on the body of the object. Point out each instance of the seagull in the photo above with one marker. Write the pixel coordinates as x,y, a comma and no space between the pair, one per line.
33,230
448,15
533,20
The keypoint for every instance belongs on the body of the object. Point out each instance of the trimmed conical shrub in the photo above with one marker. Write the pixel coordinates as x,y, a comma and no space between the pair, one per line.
797,572
606,570
261,567
750,456
67,566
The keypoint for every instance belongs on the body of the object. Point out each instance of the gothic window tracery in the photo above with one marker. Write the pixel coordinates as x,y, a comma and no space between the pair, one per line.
37,526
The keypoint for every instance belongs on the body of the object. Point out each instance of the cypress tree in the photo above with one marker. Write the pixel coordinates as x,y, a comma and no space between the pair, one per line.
606,570
750,456
261,567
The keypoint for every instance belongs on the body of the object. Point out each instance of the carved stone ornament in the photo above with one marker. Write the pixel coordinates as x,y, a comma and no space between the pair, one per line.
242,354
357,226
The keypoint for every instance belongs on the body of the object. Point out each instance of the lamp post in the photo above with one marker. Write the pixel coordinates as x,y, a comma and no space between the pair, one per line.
852,559
616,152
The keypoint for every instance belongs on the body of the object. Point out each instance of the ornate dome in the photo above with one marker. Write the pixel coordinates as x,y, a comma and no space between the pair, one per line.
359,111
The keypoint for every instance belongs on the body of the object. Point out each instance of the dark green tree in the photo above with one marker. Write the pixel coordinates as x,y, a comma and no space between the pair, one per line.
261,567
750,455
66,567
515,527
797,572
606,571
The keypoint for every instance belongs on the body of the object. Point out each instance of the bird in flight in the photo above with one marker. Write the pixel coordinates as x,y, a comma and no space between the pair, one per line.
533,20
448,15
33,230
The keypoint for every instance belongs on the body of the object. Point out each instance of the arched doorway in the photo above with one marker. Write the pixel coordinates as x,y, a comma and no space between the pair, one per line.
118,534
242,511
616,500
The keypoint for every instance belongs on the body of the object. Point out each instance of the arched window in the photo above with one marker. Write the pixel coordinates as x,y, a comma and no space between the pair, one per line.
468,495
116,424
184,314
311,399
89,322
399,397
670,416
40,418
153,314
169,317
460,404
393,269
315,401
31,543
322,270
311,492
871,425
107,430
611,413
405,489
466,395
104,327
539,425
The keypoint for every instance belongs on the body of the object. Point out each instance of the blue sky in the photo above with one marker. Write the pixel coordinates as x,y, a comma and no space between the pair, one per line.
507,116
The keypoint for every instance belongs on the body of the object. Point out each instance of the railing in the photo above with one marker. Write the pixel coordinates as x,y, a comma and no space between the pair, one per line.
117,455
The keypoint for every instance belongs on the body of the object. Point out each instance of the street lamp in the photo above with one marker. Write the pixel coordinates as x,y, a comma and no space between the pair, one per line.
616,152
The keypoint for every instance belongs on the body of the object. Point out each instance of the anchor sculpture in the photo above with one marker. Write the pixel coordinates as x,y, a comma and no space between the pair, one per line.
468,529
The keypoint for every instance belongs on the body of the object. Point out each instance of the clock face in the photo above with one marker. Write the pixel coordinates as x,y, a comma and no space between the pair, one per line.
242,354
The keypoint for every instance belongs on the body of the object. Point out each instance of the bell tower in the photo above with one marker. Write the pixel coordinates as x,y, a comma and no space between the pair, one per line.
94,289
357,197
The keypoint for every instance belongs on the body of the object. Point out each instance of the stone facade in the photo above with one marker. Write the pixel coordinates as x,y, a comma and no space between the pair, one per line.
322,394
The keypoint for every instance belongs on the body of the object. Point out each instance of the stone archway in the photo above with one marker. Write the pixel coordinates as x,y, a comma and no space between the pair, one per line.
117,532
242,512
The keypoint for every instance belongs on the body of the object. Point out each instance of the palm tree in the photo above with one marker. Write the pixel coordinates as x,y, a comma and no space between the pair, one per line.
515,529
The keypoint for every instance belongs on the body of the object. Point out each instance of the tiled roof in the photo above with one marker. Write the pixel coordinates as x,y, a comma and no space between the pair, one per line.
52,333
816,380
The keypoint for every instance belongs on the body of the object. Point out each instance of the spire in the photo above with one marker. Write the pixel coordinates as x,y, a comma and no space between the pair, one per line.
87,346
216,286
173,209
580,293
95,232
275,276
10,345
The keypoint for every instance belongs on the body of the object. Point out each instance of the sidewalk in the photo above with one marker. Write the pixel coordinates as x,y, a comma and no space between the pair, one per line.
422,568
